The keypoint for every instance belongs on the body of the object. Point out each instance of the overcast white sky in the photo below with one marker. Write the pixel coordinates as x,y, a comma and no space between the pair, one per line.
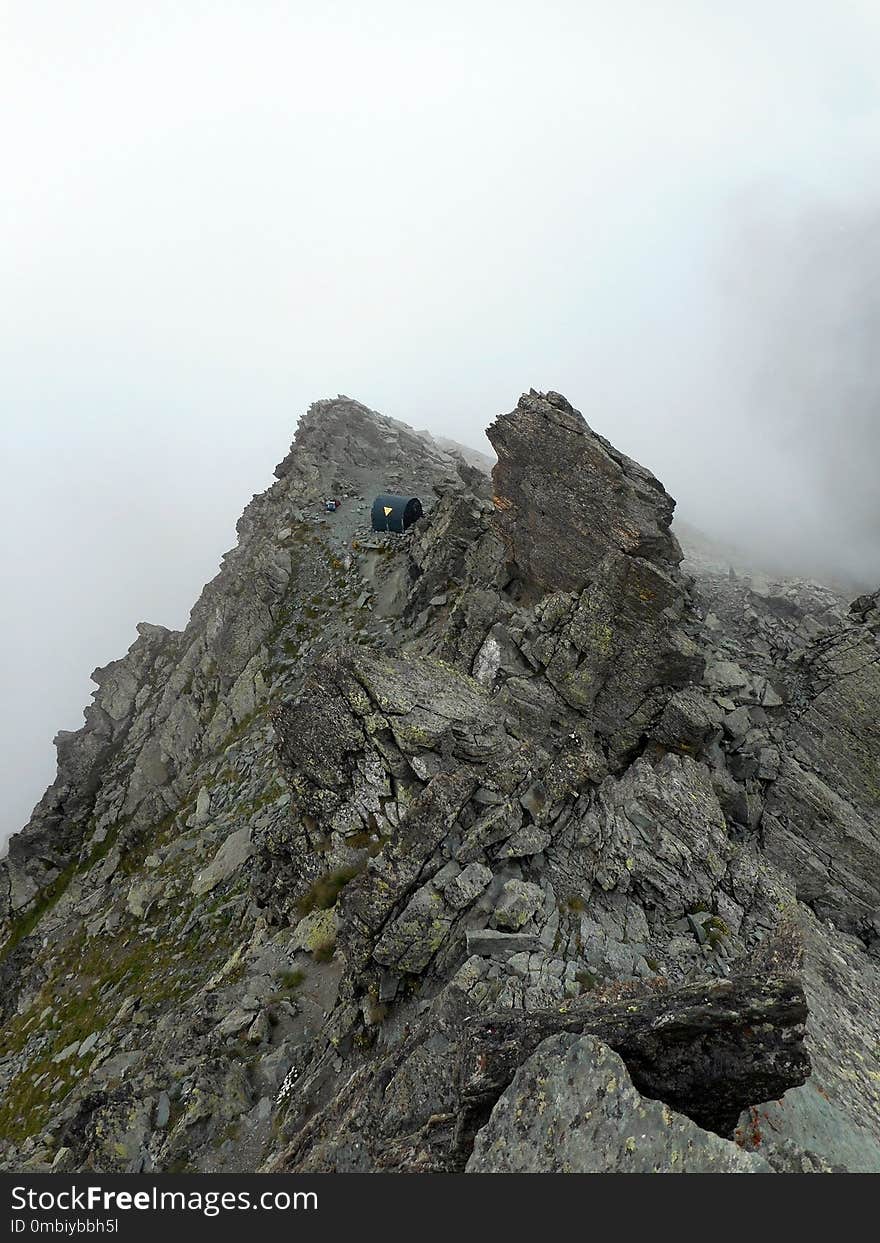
213,213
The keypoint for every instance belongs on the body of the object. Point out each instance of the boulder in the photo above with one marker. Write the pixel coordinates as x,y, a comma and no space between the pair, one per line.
236,849
572,1109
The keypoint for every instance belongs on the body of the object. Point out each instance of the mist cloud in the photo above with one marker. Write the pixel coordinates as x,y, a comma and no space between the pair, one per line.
804,321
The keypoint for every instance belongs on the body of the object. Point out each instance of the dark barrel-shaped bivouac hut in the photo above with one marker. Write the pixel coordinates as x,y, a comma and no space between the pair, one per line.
395,513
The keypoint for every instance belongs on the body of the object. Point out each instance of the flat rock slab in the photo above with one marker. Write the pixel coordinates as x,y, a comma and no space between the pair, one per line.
236,849
490,943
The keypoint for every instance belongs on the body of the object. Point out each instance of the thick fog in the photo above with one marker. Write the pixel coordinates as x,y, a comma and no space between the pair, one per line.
213,213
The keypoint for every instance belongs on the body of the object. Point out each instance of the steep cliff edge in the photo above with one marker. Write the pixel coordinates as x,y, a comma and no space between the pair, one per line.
399,825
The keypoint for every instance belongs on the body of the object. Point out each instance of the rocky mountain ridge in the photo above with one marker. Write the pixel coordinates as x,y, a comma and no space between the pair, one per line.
403,834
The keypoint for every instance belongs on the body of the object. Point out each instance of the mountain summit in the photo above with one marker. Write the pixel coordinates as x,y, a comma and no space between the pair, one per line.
409,844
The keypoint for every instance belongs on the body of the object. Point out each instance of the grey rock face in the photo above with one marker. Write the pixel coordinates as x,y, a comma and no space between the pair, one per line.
689,722
517,904
235,851
615,653
572,1109
565,497
659,831
801,737
821,818
321,872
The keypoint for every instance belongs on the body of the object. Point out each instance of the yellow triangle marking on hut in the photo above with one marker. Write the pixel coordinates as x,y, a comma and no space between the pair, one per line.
388,509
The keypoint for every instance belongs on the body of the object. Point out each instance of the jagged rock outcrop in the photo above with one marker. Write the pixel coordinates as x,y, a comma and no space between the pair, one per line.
567,499
322,874
340,441
588,541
